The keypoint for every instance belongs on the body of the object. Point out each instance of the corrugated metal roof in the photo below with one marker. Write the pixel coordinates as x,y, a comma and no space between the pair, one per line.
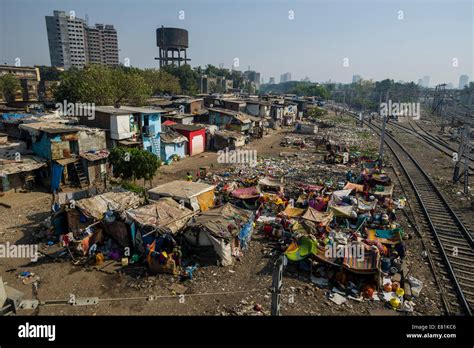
187,127
125,110
28,163
172,137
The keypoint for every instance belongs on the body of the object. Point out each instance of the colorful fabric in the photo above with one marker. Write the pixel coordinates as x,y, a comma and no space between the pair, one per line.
292,212
319,217
356,187
367,262
300,250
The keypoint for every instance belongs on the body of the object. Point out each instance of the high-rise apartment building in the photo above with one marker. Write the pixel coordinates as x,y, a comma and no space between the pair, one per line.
356,78
426,81
463,81
102,45
73,44
254,77
286,77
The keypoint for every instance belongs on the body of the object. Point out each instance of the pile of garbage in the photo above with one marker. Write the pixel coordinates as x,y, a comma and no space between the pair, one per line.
337,221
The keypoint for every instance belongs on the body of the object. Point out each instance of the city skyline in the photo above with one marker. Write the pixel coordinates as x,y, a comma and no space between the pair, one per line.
389,47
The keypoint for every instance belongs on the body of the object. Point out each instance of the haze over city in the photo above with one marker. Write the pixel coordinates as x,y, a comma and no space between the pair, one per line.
401,40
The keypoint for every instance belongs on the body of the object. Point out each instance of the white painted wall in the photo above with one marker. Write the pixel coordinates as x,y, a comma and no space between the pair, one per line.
120,127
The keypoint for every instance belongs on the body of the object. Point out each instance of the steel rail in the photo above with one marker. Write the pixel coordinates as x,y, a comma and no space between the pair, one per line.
432,212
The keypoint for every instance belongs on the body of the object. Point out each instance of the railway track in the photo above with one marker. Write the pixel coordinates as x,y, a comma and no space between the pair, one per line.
431,140
449,243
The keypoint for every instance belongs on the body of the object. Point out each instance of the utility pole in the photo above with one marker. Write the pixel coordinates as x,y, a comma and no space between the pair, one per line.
344,103
466,160
382,134
464,149
277,284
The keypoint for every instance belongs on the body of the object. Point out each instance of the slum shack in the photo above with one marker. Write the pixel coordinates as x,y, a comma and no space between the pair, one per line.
194,195
62,145
195,135
95,165
218,235
94,228
21,174
223,139
153,228
173,146
306,128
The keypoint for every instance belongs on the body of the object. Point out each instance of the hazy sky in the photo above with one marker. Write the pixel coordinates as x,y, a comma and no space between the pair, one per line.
430,39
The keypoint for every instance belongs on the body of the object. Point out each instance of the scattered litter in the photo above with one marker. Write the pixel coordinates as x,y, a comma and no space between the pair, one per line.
28,277
337,299
321,282
178,288
416,286
358,299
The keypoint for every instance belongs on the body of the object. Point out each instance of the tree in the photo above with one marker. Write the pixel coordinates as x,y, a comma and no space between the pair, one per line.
161,82
102,85
188,78
301,88
133,164
9,85
129,87
216,88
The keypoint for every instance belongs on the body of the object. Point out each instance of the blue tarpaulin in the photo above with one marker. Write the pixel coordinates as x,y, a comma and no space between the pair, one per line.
246,233
388,234
10,116
56,175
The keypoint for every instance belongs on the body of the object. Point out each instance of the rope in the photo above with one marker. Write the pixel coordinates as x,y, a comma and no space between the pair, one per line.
154,297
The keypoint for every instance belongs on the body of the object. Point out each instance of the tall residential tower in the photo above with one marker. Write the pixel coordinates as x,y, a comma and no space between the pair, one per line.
72,43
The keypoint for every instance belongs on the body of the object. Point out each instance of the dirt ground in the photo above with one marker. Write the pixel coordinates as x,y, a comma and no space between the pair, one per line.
242,289
440,167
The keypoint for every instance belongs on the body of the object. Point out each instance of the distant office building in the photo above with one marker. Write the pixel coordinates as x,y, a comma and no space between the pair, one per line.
305,79
286,77
463,81
420,82
426,81
73,44
217,84
272,81
449,86
254,77
356,78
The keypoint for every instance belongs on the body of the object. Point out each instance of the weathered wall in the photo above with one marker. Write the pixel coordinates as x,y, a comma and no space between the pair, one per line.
42,147
151,142
91,141
171,149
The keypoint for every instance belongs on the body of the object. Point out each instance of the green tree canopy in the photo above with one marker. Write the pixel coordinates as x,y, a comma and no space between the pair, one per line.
103,86
133,164
9,84
161,82
188,78
300,88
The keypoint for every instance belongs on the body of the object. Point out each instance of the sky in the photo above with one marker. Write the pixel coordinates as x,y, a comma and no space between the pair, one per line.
321,39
